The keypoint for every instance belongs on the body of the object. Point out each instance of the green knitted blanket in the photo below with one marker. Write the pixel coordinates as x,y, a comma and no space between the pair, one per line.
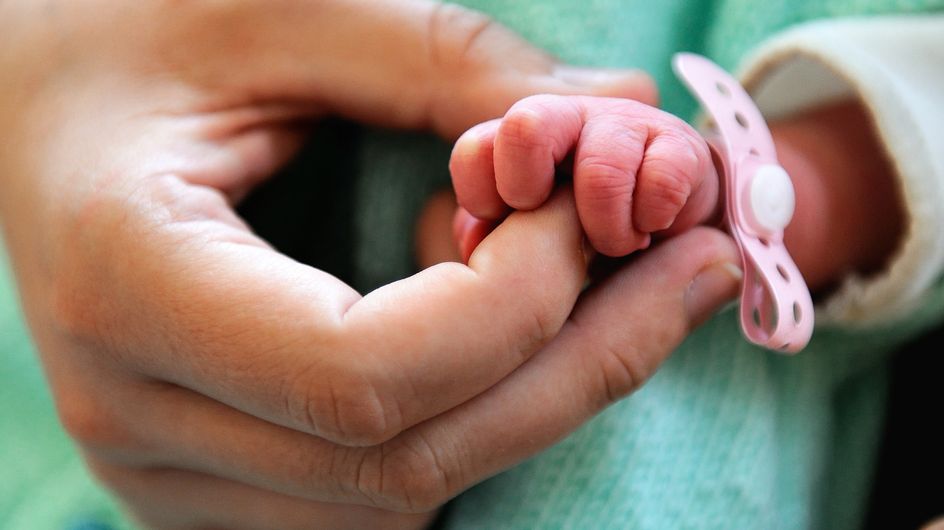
724,436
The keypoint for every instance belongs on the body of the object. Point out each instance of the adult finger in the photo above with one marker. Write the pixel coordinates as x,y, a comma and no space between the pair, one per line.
450,67
481,322
175,498
468,231
217,311
212,439
615,339
617,336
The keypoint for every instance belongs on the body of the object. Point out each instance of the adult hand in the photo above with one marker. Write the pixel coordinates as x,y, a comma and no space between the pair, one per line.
211,381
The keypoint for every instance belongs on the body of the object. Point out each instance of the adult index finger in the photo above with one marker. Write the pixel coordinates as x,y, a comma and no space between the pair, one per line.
617,336
439,338
191,298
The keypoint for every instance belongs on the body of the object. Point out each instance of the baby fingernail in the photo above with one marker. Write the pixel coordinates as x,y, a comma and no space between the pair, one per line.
467,146
587,250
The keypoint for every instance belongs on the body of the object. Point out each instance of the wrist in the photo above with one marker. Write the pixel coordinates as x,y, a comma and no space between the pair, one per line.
849,216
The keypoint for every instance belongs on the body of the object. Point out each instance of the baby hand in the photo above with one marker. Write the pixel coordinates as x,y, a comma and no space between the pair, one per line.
636,169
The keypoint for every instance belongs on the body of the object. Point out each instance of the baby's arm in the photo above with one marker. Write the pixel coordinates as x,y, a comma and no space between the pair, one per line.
638,170
849,213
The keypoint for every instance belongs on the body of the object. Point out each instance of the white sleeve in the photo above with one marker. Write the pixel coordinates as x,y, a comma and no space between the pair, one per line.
895,66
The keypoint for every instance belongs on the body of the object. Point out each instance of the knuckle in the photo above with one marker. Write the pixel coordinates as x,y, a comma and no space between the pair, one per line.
523,126
88,260
667,195
542,326
361,416
675,153
76,283
455,33
405,476
347,409
538,325
605,179
620,377
110,475
622,370
91,425
74,310
130,484
625,363
666,183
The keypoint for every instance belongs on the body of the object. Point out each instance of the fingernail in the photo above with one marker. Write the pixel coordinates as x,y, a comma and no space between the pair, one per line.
461,224
587,250
645,242
467,146
712,287
593,77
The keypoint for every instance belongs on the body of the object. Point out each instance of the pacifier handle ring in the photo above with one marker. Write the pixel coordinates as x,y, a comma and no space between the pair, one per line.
776,306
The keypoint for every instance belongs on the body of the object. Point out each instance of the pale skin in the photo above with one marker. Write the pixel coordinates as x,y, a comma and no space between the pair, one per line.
212,382
640,173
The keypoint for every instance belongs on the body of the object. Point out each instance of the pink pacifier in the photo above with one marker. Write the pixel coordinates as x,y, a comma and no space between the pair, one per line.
776,308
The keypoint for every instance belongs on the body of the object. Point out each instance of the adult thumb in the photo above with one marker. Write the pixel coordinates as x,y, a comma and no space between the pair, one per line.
642,312
480,68
398,63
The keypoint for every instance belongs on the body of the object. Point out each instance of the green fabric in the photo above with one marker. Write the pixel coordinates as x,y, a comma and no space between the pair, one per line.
43,483
724,436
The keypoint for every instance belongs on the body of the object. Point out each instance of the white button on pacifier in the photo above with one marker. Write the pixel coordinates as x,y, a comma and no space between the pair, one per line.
772,197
